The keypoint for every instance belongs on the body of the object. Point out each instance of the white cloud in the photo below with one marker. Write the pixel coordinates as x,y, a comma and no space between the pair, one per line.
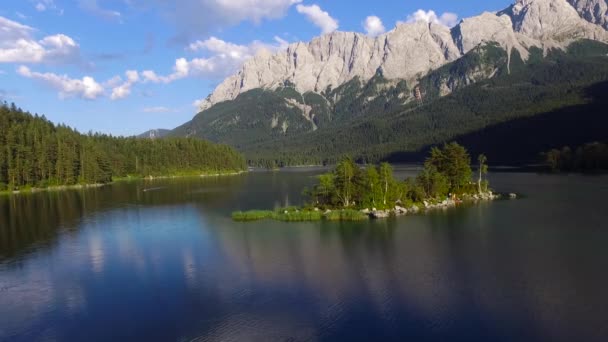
320,18
85,88
283,44
159,109
254,10
122,90
44,5
447,19
198,104
223,59
18,46
373,26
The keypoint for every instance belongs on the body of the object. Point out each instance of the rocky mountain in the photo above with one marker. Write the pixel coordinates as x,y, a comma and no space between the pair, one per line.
344,77
412,50
155,134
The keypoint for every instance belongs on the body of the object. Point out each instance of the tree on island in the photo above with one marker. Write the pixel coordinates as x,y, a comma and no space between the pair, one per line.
386,180
454,162
345,176
483,169
372,182
446,171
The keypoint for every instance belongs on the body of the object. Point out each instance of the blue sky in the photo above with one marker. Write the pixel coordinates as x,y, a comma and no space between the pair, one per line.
125,66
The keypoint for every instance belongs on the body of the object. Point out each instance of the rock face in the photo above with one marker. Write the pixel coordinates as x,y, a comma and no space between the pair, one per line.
594,11
333,59
552,20
411,50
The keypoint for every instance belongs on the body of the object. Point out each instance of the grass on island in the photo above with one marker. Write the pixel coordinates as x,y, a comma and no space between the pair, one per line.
298,215
284,215
346,215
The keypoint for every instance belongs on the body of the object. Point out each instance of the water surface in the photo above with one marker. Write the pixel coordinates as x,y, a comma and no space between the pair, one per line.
163,261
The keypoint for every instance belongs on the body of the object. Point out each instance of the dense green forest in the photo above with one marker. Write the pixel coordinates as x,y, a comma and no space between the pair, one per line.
587,158
36,153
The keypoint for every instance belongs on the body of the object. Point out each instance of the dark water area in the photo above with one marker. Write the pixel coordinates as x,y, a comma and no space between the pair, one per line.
162,261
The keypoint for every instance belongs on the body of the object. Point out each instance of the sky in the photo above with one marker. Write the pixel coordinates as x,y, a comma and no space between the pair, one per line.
125,66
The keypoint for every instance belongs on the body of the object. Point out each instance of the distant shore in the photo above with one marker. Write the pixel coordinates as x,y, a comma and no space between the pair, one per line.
116,180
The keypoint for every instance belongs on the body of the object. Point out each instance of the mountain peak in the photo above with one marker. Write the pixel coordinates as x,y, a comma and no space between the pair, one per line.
552,20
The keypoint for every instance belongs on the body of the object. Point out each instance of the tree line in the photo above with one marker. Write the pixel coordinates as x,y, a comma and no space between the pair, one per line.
447,171
587,158
36,153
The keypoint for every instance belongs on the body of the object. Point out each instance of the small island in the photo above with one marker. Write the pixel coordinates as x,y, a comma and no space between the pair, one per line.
353,193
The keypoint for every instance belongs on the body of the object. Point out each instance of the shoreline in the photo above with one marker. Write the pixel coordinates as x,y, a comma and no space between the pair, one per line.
114,181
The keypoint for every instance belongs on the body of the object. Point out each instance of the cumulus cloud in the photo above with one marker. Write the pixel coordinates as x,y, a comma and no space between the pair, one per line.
373,26
18,46
223,59
85,88
447,19
319,18
122,90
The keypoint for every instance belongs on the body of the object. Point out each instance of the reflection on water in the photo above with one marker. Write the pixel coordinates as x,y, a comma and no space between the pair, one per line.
118,263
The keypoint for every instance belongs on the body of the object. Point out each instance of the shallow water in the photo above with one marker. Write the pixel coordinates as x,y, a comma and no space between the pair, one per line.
161,260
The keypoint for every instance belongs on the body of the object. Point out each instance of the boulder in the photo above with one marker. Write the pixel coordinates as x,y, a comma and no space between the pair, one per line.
379,214
400,210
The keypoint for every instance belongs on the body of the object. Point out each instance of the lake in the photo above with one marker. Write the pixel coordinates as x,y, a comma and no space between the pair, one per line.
162,260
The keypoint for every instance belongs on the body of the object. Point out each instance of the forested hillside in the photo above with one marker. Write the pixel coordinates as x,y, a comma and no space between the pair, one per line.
36,153
549,101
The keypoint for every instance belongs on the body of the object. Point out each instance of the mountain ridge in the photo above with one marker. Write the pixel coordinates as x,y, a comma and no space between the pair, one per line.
410,50
343,83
